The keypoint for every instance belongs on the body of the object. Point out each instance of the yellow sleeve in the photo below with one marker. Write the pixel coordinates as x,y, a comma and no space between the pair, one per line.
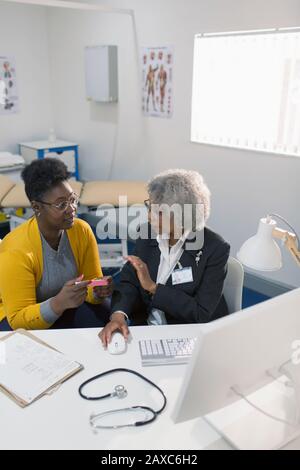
18,292
91,264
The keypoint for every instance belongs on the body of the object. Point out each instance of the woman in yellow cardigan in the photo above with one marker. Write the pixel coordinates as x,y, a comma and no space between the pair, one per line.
47,262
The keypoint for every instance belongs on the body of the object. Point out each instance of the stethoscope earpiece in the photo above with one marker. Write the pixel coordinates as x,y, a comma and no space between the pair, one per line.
149,416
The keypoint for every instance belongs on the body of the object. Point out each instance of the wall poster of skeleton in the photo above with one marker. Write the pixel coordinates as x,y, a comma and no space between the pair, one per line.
9,100
157,81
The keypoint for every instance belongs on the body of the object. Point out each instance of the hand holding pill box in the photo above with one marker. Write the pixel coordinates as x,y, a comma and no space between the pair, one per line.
104,281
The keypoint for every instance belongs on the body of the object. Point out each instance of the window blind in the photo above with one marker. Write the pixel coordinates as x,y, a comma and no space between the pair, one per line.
246,91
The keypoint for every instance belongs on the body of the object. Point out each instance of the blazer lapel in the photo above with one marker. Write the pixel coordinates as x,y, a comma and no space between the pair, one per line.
188,258
153,259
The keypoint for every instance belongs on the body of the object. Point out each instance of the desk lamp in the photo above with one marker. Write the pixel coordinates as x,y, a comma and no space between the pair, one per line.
261,252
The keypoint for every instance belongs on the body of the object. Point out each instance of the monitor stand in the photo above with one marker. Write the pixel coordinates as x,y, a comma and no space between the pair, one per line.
247,428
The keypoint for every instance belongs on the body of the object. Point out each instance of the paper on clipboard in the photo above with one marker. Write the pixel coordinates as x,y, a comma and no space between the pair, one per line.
32,368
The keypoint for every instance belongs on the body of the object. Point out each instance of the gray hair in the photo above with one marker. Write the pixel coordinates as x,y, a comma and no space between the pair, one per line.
180,187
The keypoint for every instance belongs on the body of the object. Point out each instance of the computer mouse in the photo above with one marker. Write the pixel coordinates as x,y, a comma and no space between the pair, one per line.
117,343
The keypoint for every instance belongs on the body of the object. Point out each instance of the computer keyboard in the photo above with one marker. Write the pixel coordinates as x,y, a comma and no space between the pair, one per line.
156,352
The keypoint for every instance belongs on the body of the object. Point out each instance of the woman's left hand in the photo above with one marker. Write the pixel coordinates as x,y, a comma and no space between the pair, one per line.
104,291
142,273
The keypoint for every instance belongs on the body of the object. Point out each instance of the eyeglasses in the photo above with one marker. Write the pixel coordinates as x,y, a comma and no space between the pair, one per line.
152,207
62,206
147,204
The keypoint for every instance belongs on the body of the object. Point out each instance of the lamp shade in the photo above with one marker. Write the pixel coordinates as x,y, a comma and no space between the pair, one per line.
261,252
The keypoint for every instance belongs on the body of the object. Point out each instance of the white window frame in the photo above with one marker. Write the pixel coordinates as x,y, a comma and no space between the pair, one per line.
239,106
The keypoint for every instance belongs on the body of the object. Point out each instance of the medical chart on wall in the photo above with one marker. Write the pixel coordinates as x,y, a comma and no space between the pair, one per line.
157,81
9,100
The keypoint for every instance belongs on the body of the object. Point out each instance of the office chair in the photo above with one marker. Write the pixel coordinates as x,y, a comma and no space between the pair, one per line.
233,285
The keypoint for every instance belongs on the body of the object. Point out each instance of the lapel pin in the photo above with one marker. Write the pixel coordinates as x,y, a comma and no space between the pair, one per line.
198,256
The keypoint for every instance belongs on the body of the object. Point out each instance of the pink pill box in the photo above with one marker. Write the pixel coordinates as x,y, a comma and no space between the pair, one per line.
98,282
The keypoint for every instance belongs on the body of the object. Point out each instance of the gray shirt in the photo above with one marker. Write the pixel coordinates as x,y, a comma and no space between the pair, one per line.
58,268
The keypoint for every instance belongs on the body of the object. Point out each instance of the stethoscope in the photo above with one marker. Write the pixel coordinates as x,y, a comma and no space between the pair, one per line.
120,392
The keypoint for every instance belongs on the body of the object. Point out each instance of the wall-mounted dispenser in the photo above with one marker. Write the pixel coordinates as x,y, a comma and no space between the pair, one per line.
101,73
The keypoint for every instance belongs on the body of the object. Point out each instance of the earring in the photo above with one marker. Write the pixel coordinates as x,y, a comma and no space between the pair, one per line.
37,214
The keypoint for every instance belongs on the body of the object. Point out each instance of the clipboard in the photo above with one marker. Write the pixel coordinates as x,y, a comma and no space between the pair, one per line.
50,389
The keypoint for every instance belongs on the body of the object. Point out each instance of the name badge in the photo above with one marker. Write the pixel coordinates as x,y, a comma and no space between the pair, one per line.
179,276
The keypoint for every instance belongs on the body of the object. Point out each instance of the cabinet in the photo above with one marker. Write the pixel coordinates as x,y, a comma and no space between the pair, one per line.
101,73
65,151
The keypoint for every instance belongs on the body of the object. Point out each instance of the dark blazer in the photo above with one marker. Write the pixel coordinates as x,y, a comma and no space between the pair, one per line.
199,301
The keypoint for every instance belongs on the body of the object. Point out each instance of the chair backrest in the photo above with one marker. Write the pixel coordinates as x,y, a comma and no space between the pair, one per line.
233,285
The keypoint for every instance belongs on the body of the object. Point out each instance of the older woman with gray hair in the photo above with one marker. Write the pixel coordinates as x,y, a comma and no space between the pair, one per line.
179,267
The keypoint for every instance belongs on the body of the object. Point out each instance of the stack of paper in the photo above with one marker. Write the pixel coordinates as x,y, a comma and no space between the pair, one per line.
7,159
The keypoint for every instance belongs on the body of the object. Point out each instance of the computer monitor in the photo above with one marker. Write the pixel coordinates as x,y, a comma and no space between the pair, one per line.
238,355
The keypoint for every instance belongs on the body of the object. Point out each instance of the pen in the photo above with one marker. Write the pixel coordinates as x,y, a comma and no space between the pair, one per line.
76,283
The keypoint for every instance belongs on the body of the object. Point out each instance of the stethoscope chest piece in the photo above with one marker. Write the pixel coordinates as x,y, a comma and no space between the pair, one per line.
119,391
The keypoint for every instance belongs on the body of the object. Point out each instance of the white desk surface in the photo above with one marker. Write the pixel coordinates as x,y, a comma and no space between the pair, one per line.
61,420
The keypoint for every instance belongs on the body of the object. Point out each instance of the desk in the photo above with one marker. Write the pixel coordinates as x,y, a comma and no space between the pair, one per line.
61,421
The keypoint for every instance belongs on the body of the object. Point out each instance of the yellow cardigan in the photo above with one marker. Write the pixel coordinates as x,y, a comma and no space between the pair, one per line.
21,269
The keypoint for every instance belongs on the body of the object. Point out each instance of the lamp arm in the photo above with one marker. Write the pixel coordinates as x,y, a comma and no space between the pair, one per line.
290,241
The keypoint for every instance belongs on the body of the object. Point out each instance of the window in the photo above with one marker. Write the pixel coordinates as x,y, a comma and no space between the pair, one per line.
246,91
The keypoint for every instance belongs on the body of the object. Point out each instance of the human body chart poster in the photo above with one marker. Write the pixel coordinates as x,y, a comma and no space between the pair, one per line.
9,100
157,81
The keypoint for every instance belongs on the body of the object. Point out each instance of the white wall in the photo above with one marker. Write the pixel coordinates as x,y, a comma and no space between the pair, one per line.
245,185
104,131
23,35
